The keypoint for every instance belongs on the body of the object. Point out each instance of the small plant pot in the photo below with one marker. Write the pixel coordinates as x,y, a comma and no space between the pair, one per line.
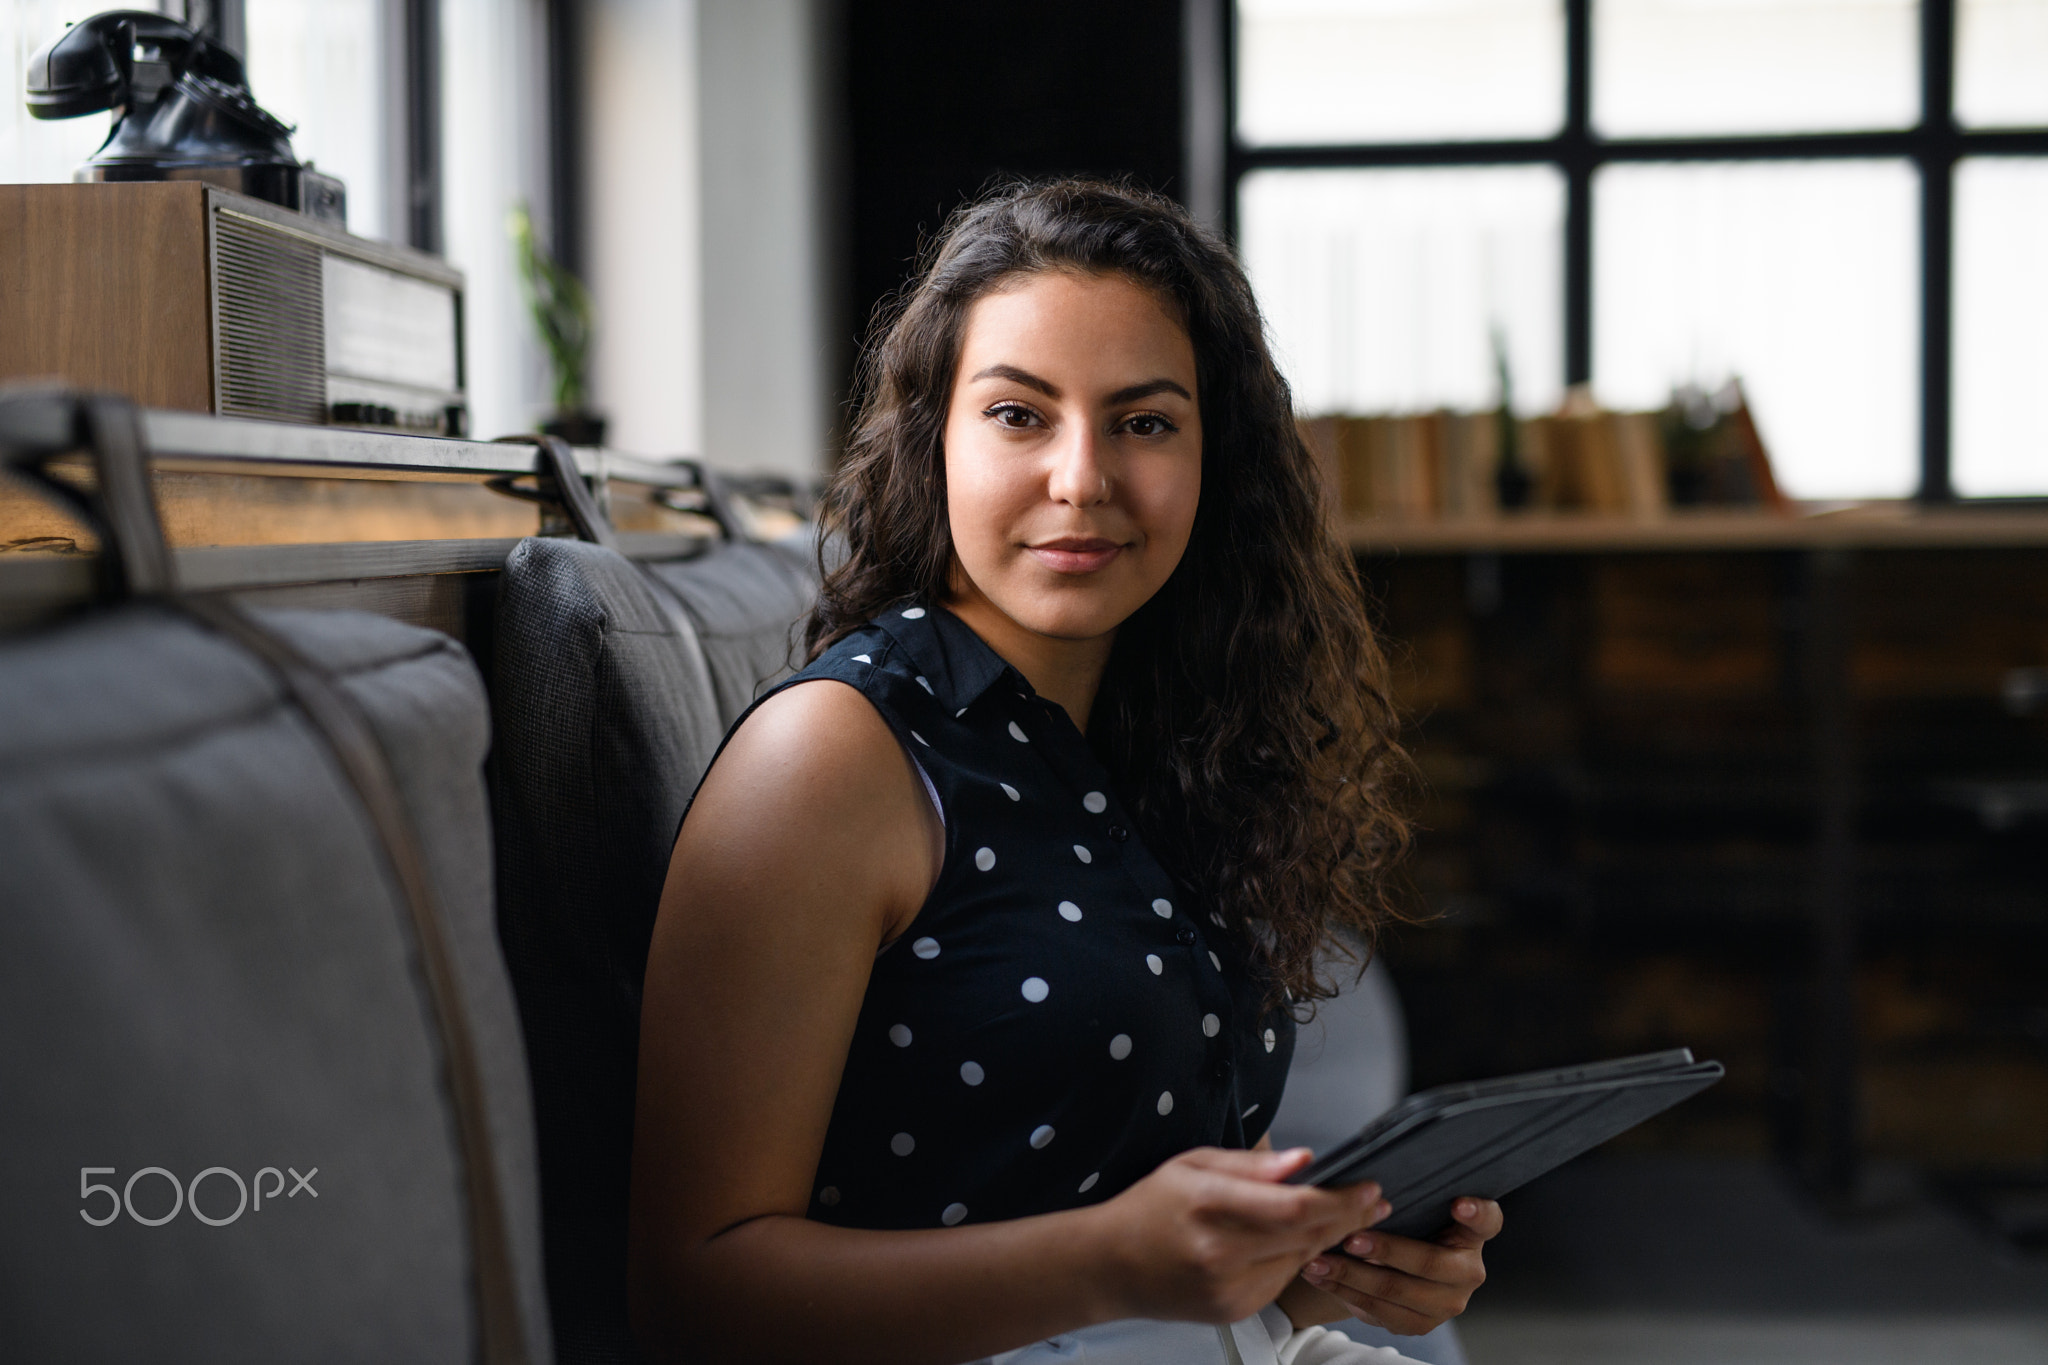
579,428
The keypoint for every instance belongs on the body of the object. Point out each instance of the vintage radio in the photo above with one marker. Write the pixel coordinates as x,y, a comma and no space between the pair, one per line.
181,294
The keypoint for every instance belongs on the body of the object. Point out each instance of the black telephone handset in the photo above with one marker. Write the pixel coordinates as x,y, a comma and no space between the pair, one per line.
182,111
122,57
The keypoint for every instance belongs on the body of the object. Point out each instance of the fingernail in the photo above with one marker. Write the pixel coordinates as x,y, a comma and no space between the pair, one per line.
1381,1210
1359,1246
1371,1190
1316,1270
1467,1209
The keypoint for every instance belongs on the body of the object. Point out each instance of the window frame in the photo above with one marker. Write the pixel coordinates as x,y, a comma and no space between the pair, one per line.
1932,146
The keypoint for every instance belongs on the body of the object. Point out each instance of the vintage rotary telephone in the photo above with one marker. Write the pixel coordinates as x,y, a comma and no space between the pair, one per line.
182,111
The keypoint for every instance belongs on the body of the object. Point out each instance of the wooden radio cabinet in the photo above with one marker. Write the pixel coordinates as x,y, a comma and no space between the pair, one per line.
180,294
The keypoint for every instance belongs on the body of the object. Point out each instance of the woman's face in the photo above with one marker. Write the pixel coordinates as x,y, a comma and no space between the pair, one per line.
1073,451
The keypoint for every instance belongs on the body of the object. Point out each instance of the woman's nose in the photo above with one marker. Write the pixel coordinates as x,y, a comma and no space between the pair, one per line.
1080,469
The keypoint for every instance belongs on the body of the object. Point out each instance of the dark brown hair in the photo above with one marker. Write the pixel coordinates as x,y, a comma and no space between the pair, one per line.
1245,712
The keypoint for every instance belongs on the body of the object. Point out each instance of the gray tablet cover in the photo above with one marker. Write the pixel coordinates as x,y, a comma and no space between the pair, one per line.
1487,1138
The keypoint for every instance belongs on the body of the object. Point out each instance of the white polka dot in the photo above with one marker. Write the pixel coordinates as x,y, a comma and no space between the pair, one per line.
1163,908
903,1144
1152,961
1120,1046
1070,912
1211,1026
1081,852
1214,960
829,1196
926,948
920,739
1165,1102
1089,1183
1035,989
954,1212
984,858
862,659
1095,803
925,683
913,614
1017,733
899,1034
961,712
972,1073
1249,1112
1270,1038
1041,1136
1011,792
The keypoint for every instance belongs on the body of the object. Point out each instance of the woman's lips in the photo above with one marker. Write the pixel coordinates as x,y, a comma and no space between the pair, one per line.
1076,555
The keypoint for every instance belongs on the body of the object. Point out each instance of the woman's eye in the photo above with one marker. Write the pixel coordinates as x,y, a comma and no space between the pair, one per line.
1150,424
1013,415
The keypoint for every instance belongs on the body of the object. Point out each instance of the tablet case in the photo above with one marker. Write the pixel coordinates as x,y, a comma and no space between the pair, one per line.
1486,1138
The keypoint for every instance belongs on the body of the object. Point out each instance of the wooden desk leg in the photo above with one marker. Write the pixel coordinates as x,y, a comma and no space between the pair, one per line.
1834,1150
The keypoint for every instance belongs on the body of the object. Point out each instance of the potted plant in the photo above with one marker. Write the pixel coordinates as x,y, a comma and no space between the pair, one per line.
561,311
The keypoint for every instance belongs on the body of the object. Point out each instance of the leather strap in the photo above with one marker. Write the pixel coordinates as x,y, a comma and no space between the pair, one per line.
562,484
355,748
37,425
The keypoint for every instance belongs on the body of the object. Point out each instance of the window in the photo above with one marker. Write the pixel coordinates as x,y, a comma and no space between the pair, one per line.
1386,288
320,66
1842,202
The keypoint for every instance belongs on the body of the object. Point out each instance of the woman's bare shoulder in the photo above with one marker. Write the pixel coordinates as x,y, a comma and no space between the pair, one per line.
814,785
819,734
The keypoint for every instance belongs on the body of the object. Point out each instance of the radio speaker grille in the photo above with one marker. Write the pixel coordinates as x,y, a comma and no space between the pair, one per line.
270,357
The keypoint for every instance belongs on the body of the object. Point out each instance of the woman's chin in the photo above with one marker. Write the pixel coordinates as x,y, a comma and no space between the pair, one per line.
1076,614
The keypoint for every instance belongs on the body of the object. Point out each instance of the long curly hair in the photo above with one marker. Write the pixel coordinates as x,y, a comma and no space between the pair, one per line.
1245,711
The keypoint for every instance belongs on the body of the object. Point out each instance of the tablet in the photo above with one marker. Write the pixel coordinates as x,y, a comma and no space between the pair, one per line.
1486,1138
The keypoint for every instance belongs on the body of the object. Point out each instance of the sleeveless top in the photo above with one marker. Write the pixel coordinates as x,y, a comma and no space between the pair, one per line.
1060,1017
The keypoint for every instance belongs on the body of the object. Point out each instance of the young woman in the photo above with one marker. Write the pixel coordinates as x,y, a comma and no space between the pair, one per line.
971,991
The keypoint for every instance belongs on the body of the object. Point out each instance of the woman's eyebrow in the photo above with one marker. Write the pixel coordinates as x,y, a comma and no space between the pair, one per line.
1017,376
1134,392
1130,393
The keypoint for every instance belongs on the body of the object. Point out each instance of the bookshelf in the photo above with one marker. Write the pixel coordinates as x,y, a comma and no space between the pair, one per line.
1864,526
1690,779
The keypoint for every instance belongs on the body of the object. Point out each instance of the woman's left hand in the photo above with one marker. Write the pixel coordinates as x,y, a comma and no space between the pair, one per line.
1407,1286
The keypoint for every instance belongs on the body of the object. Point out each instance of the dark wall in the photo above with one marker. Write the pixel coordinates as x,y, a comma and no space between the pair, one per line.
941,96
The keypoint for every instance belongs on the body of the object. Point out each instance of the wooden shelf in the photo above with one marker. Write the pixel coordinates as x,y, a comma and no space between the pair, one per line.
1866,526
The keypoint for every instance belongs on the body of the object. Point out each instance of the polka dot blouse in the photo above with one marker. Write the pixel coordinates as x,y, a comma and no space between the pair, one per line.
1058,1019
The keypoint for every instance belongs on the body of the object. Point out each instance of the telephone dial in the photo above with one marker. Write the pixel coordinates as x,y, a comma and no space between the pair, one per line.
182,111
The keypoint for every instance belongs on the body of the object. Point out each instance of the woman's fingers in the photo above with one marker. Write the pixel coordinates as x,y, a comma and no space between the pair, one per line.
1309,1218
1253,1164
1401,1321
1478,1221
1440,1262
1378,1290
1378,1273
1246,1187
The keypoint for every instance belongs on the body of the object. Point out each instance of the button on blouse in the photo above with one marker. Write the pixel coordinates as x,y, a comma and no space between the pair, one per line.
1059,1018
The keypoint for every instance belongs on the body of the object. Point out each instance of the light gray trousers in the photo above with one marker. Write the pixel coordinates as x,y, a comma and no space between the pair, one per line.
1267,1339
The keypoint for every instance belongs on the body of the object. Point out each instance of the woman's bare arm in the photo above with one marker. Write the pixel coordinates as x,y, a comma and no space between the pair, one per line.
811,844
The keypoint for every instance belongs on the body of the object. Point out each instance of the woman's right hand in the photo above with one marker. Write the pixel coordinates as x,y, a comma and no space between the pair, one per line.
1213,1236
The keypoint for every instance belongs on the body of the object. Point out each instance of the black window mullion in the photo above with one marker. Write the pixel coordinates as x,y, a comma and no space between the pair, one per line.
1936,151
422,208
1234,163
1577,156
